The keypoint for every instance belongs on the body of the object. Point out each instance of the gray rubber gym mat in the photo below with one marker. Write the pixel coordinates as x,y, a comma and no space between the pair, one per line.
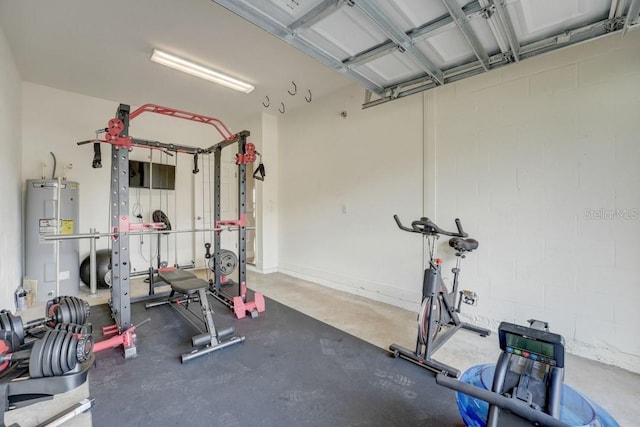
292,370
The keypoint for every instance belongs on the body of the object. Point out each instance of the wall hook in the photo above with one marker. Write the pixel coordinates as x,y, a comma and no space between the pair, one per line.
295,88
309,98
281,109
267,103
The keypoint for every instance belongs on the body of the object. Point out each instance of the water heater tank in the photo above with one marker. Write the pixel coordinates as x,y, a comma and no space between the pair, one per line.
42,217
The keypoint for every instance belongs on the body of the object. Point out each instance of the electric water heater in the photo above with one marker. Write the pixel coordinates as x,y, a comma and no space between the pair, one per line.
51,207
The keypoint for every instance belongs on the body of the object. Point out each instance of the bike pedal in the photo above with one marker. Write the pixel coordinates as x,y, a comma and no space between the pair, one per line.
469,297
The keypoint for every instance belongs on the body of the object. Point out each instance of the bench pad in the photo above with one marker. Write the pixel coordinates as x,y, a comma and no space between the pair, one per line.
189,286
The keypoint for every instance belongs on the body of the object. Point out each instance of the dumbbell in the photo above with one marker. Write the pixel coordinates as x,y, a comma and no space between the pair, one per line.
65,309
60,310
57,353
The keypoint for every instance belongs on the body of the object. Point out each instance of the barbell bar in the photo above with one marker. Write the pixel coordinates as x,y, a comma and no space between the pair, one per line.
135,233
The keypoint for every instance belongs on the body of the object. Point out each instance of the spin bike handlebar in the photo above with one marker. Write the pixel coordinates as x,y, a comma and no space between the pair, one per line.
426,226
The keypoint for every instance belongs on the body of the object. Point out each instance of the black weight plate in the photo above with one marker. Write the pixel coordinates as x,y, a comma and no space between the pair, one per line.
71,308
72,358
15,323
35,366
4,322
70,303
47,354
159,216
81,314
40,354
10,318
18,328
85,312
54,361
47,349
56,353
64,363
76,310
78,314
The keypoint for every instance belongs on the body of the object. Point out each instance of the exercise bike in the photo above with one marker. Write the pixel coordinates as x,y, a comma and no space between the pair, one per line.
438,317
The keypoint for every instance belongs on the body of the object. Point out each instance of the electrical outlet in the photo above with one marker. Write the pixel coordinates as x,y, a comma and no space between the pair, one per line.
344,209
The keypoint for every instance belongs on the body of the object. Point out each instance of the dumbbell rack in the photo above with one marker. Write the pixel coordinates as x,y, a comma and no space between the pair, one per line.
39,362
18,389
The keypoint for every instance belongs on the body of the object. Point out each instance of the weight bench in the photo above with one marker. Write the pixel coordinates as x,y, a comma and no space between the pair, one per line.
186,288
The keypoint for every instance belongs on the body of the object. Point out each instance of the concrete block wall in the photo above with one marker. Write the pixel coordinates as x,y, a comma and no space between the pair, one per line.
540,161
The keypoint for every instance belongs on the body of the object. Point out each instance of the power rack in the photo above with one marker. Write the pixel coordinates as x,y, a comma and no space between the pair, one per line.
117,134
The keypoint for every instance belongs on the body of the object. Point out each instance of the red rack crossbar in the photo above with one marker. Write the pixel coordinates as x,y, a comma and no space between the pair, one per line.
222,129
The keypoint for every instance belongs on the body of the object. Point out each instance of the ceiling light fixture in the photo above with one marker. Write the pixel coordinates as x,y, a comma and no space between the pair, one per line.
188,67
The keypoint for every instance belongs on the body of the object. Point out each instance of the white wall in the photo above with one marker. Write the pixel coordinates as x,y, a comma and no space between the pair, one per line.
527,156
267,191
11,206
54,120
341,182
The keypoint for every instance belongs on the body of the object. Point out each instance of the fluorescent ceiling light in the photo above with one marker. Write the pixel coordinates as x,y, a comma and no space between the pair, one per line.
199,71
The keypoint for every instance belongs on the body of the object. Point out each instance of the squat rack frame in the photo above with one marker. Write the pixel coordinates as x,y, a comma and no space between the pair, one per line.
117,134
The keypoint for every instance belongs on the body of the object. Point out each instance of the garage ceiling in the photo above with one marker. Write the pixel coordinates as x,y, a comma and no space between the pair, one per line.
102,49
395,48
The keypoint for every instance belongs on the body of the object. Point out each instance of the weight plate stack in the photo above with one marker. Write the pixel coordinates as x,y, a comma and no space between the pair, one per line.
58,352
227,263
69,309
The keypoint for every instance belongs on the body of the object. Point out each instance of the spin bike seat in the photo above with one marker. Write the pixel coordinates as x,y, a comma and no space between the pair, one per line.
463,245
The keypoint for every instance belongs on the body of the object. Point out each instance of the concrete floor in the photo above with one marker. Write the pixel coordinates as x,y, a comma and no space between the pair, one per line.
380,324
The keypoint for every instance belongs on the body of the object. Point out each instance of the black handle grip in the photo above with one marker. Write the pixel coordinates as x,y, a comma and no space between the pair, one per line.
513,405
460,230
97,156
195,164
402,227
